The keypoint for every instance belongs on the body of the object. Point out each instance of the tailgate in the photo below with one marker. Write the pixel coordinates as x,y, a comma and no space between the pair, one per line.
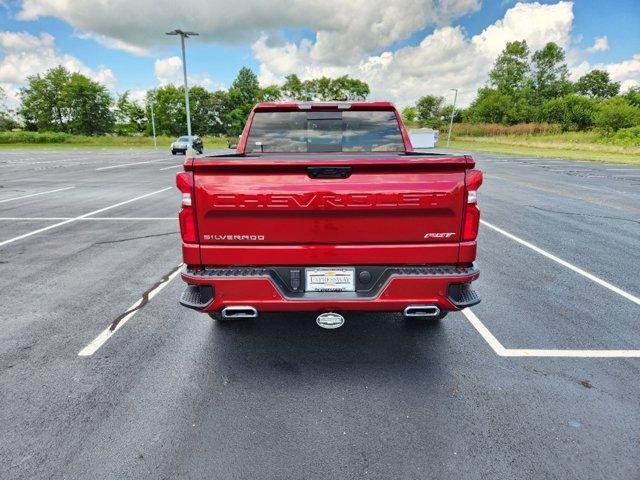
278,202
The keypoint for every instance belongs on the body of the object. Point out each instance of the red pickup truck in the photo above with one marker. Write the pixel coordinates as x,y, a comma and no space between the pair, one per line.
326,207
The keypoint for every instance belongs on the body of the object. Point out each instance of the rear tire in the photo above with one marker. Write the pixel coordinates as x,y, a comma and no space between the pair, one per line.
173,152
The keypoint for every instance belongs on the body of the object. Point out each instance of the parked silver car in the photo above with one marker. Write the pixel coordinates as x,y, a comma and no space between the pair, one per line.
182,144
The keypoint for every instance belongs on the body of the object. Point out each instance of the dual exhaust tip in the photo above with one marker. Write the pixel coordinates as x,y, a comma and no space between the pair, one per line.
429,311
242,311
331,320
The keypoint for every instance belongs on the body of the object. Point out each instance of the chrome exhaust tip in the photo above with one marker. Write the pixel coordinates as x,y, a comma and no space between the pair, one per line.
421,311
239,312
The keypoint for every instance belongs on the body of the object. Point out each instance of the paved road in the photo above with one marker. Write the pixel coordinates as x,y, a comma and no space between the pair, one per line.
522,387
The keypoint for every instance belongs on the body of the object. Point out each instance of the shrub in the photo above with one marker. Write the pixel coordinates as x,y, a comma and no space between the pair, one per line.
33,137
633,96
573,112
615,113
628,136
489,106
497,129
493,106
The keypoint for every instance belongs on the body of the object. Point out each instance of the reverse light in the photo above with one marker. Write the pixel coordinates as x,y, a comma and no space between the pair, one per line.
471,211
187,218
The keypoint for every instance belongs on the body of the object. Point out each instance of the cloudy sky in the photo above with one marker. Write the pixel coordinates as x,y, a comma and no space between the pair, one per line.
402,48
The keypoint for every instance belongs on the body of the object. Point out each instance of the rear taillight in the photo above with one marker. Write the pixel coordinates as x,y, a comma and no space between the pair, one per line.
188,230
472,212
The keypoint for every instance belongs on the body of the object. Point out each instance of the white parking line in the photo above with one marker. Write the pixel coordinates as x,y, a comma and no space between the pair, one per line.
129,164
35,194
81,217
119,322
497,347
564,263
172,166
32,219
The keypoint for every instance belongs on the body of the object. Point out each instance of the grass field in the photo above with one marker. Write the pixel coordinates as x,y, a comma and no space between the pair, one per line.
53,140
570,145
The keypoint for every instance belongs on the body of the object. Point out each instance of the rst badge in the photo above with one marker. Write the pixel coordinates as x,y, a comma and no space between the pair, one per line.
439,235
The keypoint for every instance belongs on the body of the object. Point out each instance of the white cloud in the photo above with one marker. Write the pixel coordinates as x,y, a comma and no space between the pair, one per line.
23,54
600,44
169,71
345,30
113,43
626,72
357,38
138,96
447,58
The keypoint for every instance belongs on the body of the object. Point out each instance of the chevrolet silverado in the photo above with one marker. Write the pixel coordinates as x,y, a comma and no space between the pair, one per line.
327,208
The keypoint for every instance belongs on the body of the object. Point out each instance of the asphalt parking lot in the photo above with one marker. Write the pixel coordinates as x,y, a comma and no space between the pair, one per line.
541,380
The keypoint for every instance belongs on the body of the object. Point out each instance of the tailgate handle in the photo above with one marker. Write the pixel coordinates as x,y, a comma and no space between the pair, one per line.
329,172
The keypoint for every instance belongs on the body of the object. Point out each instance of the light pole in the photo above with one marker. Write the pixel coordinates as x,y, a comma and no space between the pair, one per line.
453,112
153,125
184,35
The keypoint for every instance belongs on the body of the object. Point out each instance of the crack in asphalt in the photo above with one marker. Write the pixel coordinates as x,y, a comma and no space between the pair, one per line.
135,238
584,214
145,297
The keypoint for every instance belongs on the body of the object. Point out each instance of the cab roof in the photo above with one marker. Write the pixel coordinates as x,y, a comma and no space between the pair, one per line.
293,106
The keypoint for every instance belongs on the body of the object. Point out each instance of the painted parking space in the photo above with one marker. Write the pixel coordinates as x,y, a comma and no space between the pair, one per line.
546,362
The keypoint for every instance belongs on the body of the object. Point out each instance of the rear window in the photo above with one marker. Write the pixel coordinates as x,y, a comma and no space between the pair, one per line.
359,131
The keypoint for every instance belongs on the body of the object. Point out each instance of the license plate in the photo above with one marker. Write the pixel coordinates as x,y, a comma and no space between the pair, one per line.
330,280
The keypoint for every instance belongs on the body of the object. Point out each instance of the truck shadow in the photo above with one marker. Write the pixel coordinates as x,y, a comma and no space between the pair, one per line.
292,344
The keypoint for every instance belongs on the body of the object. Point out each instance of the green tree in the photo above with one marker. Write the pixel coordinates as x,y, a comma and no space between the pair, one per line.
7,122
130,117
633,96
325,89
511,69
220,106
429,110
615,113
550,73
409,115
597,84
43,104
573,112
490,106
448,109
243,95
169,110
271,93
90,106
67,102
347,89
294,89
203,110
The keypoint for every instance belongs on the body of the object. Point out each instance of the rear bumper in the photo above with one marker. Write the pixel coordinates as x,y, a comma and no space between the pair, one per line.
271,290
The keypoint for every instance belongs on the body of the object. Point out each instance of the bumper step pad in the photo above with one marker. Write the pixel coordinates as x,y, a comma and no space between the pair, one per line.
462,296
197,296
